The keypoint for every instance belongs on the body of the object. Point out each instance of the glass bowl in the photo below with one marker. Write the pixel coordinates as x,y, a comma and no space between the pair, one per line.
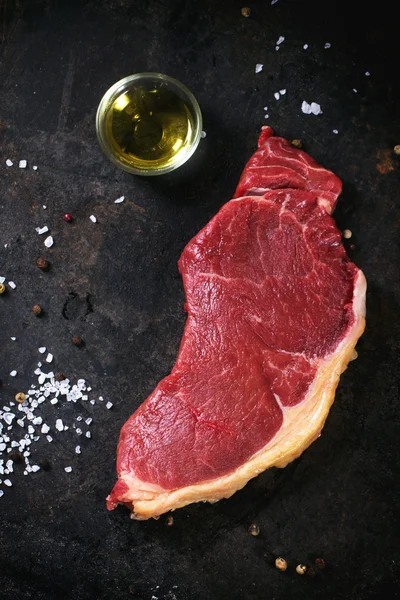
146,84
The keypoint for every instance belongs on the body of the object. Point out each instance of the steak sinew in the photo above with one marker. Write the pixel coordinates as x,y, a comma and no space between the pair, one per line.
275,309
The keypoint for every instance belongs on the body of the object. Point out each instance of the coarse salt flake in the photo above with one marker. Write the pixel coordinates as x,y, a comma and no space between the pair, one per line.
9,162
78,450
305,46
12,285
273,2
42,230
335,131
327,45
45,428
282,92
259,68
23,164
306,108
88,421
7,482
49,358
42,349
34,167
13,338
35,468
68,469
280,40
59,425
367,73
315,108
119,200
2,279
93,219
48,242
49,438
277,95
13,373
109,405
88,434
203,135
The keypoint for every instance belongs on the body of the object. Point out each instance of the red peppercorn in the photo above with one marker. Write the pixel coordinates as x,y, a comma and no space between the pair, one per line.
67,217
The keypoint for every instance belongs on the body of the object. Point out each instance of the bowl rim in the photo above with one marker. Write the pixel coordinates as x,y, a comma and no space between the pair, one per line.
116,90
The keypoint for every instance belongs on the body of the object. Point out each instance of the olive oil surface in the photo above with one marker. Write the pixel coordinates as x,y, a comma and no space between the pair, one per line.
149,129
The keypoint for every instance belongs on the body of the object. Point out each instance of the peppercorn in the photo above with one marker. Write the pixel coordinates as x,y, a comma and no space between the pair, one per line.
254,529
281,564
67,218
246,11
20,397
320,563
36,310
77,340
42,263
2,288
310,572
301,569
16,456
59,376
170,521
397,149
297,143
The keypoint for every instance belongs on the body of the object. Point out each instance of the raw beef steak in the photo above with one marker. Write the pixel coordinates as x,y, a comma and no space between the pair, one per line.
275,309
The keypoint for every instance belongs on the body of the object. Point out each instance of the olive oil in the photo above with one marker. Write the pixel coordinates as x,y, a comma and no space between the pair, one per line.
149,128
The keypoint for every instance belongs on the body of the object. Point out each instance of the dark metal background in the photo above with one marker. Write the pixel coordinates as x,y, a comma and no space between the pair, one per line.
120,289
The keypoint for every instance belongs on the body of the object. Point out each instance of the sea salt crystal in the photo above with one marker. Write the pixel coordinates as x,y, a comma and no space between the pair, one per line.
79,431
259,67
37,421
93,402
41,230
88,434
42,349
44,207
49,438
276,95
59,425
49,358
280,40
305,46
93,218
306,108
79,418
327,45
9,162
35,468
273,2
3,446
34,167
68,469
23,164
31,429
45,428
78,450
13,373
282,92
354,90
89,421
109,405
7,482
8,417
119,200
203,133
367,73
315,108
13,339
1,493
335,131
12,285
48,242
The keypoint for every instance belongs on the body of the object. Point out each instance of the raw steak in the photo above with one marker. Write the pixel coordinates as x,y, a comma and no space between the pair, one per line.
275,309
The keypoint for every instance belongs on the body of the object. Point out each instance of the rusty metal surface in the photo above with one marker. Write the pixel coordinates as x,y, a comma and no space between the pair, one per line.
116,284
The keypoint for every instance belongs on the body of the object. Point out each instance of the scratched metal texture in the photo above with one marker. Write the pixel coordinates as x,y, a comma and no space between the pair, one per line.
116,284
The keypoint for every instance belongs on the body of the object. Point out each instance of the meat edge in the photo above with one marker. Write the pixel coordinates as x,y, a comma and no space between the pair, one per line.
150,501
